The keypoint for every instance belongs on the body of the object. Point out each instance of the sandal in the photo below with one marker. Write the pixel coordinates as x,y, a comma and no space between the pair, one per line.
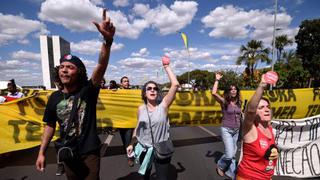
219,172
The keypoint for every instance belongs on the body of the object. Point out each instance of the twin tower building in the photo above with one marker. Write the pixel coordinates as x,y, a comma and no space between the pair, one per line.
52,48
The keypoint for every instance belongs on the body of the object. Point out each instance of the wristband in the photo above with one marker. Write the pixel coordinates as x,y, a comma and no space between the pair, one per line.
263,85
108,42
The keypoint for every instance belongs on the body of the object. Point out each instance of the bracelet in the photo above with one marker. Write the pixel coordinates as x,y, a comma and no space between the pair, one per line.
108,42
263,85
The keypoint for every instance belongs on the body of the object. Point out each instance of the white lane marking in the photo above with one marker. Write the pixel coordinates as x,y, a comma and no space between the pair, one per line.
105,145
108,139
206,130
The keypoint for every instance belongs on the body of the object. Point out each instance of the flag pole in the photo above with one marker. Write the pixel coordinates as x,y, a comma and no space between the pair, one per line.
188,67
185,41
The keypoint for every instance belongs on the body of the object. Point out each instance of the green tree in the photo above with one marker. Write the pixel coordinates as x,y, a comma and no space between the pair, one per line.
251,54
291,72
308,47
229,78
204,79
199,78
281,42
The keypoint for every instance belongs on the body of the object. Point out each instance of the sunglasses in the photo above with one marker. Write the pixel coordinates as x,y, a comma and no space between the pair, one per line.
152,88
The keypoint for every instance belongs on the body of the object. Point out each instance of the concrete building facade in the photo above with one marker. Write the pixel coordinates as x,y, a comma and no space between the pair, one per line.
52,49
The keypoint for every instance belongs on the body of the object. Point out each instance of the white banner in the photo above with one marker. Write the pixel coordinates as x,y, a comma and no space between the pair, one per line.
299,144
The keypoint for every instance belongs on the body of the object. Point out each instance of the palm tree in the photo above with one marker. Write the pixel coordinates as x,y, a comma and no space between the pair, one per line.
251,54
281,42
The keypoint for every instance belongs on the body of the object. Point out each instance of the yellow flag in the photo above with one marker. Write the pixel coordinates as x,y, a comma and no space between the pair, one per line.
185,39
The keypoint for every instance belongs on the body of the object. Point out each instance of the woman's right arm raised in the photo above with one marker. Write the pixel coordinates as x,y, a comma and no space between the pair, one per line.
215,89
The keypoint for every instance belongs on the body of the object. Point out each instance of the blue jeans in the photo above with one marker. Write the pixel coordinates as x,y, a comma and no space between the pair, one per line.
227,162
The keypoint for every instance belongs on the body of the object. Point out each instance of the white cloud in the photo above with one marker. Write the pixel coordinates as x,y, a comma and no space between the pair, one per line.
112,67
139,62
92,47
168,20
117,47
25,55
75,15
17,28
24,72
125,28
195,54
97,2
120,3
236,23
90,65
143,52
89,47
227,57
214,67
23,41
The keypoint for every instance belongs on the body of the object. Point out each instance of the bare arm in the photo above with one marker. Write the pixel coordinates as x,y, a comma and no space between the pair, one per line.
168,99
215,89
48,133
107,30
250,113
134,134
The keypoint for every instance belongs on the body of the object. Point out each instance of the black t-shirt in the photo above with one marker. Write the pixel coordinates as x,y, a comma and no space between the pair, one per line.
85,125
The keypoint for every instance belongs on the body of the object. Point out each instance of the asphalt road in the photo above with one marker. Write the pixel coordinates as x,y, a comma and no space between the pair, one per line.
196,150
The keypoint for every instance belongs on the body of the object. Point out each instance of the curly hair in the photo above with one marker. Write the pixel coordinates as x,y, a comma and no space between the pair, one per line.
144,90
82,77
228,98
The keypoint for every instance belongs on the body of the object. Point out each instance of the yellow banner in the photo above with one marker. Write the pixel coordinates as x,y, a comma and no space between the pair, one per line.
21,120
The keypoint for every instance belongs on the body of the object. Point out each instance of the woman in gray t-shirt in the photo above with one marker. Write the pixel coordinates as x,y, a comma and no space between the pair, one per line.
157,108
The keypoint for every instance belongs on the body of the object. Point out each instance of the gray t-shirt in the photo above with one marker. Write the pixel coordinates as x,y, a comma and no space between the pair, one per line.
159,123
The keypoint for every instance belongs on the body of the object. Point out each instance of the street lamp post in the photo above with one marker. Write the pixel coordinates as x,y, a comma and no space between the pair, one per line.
274,38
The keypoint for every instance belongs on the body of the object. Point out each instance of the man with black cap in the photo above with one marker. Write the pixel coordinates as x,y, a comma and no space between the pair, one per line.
74,107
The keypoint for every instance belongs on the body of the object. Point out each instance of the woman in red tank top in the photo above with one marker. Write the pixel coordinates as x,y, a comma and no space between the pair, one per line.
259,150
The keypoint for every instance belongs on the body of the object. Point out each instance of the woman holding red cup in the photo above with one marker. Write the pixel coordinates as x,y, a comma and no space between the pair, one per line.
153,113
259,150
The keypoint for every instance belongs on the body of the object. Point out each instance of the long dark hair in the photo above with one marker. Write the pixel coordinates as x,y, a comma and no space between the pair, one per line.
13,84
82,77
159,93
228,98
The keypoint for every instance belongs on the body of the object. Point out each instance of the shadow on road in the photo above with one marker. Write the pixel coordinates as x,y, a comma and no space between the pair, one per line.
18,158
118,150
216,155
173,173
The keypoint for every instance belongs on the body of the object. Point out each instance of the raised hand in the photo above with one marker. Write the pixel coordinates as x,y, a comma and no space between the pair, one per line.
271,77
105,27
165,61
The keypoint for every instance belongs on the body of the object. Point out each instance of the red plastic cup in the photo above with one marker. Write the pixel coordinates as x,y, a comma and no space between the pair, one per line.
271,77
165,60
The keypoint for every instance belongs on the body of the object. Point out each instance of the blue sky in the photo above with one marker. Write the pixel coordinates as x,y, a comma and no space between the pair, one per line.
146,30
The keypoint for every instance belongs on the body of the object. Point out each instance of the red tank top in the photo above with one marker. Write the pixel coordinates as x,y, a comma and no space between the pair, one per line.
253,164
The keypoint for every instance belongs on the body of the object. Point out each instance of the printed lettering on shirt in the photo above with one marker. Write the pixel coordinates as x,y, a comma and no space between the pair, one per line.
270,166
263,143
